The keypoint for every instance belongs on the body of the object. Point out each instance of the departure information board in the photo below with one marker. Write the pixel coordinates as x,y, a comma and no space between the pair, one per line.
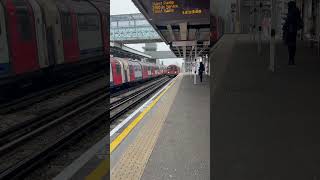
170,10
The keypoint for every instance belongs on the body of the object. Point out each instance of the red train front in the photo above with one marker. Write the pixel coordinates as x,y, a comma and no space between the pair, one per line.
173,70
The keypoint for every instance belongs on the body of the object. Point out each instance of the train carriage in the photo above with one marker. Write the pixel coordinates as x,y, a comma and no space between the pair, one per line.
173,70
69,27
45,38
149,70
22,38
40,34
116,71
104,14
131,72
4,49
153,70
89,29
137,70
52,21
145,70
127,71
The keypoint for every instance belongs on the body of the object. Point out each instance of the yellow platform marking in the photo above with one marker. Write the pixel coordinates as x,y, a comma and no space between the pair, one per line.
115,143
100,171
103,167
134,160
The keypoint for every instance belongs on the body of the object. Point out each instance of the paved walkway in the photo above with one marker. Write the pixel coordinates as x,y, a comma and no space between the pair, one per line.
172,140
182,151
264,125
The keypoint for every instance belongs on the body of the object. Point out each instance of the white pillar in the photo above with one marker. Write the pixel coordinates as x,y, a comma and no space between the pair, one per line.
195,66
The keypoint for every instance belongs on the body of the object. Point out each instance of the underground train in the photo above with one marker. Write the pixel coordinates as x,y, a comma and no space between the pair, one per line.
173,70
126,71
42,36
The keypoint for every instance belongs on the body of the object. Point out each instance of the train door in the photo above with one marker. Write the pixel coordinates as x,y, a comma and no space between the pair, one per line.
137,71
4,51
41,35
104,21
122,73
69,33
116,73
154,70
125,70
111,76
22,37
149,70
131,71
54,33
144,71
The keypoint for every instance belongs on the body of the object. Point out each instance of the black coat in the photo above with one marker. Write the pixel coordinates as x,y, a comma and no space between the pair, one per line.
291,26
201,68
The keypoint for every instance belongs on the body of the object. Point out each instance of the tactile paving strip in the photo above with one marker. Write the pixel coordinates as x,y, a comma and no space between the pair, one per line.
134,160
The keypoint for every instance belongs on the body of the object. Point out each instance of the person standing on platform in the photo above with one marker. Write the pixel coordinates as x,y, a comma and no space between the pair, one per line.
201,70
290,28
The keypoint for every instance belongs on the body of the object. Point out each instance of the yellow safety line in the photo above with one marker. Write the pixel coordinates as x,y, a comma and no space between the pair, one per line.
100,171
103,167
115,143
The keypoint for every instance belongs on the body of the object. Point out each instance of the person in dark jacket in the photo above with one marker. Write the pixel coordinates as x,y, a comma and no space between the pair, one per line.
292,24
201,70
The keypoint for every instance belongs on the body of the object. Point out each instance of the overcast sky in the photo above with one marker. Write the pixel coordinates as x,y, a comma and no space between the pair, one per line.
122,7
127,7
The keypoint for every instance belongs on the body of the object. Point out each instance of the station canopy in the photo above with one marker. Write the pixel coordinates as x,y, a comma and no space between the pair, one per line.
184,25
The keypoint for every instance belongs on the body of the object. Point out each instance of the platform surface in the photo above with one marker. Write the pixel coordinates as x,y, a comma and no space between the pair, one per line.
183,147
93,164
173,139
265,126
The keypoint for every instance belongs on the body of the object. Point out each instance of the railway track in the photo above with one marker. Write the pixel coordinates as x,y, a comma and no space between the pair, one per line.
25,146
28,100
29,125
31,148
121,106
119,92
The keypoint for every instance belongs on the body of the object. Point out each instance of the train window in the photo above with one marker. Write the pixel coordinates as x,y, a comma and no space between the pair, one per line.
141,22
88,22
114,24
124,23
66,25
24,24
118,69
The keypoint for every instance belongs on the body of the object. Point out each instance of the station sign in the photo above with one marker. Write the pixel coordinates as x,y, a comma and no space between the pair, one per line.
175,10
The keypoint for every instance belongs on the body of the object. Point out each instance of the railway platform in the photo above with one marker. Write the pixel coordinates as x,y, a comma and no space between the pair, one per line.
166,138
93,164
265,124
172,140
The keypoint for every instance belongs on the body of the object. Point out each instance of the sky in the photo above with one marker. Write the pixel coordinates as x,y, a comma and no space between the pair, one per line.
127,7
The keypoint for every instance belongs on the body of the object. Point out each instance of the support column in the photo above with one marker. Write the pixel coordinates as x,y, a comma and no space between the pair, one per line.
208,59
254,20
251,19
195,66
272,66
259,27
